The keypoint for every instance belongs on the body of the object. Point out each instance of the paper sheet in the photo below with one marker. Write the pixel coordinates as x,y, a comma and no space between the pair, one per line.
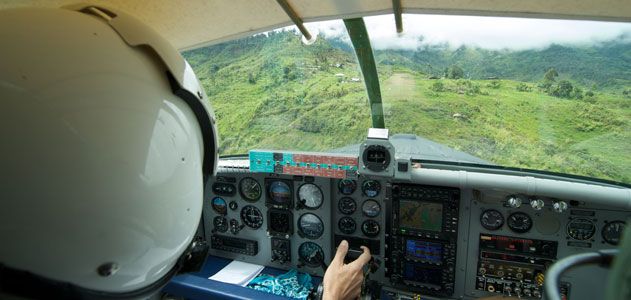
237,272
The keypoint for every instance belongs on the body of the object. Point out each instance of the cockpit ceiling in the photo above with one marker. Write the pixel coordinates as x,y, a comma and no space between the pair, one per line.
192,23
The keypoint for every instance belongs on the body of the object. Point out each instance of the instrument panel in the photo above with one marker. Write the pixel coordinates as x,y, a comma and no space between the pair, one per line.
426,239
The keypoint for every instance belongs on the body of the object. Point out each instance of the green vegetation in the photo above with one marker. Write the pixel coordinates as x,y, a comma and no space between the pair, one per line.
273,92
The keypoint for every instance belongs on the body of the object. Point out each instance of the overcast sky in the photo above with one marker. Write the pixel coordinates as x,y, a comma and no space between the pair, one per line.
484,32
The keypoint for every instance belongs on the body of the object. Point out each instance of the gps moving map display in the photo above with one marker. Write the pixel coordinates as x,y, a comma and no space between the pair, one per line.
420,215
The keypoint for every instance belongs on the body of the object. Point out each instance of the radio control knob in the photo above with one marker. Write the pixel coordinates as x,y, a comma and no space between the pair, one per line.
536,204
514,201
559,206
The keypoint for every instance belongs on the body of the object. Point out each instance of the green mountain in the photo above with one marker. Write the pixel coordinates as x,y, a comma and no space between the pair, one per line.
605,65
271,91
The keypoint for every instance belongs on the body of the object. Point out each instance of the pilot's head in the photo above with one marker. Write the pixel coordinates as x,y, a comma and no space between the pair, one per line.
107,136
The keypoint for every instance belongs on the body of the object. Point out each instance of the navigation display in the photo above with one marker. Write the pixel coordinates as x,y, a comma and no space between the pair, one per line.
420,215
419,273
424,251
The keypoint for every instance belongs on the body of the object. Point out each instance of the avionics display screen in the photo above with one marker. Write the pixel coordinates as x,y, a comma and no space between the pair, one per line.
424,251
420,215
420,273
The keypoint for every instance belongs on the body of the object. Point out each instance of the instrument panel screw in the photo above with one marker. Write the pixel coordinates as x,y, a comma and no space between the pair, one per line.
107,269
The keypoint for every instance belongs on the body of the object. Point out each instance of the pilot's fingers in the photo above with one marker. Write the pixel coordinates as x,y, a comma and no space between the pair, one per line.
342,249
362,259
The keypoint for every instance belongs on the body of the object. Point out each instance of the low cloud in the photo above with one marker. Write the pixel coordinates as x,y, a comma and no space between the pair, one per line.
484,32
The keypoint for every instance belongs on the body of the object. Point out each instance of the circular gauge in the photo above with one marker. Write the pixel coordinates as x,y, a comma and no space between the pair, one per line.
581,229
280,192
371,188
347,205
347,186
250,189
310,226
310,195
371,208
220,223
233,205
347,225
311,254
519,222
251,217
612,232
492,219
370,228
219,205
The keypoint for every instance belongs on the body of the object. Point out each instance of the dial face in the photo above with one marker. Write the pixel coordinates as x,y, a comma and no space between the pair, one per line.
310,195
347,225
220,223
219,205
581,229
347,205
492,219
311,254
280,221
371,208
347,186
310,226
251,217
280,192
370,228
371,188
250,189
612,232
519,222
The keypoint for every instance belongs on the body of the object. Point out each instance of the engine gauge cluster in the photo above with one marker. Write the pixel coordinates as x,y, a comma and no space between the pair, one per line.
219,205
612,232
310,196
491,219
347,225
310,226
347,186
371,208
251,217
371,228
279,193
371,188
519,222
220,224
250,189
581,229
311,254
347,205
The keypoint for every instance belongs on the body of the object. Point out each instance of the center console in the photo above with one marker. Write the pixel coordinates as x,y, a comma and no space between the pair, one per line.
422,233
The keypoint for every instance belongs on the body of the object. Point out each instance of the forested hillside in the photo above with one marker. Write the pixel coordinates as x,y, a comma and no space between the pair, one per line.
564,109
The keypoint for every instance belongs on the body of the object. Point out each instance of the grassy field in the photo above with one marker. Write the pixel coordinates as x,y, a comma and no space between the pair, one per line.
277,94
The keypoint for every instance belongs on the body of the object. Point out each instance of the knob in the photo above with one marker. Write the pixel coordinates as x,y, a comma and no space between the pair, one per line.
537,204
514,201
559,206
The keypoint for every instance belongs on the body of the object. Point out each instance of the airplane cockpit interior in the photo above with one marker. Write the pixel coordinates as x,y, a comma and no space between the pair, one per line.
475,148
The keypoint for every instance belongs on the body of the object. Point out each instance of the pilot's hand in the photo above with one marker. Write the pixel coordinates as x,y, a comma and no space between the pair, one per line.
344,281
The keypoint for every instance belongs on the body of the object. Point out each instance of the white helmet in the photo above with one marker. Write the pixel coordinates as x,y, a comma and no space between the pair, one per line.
107,137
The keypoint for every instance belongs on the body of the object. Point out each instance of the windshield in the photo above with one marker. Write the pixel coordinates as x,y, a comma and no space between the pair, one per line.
550,95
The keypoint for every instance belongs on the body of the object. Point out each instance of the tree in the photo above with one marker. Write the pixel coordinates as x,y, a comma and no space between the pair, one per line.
550,75
562,90
438,87
454,72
